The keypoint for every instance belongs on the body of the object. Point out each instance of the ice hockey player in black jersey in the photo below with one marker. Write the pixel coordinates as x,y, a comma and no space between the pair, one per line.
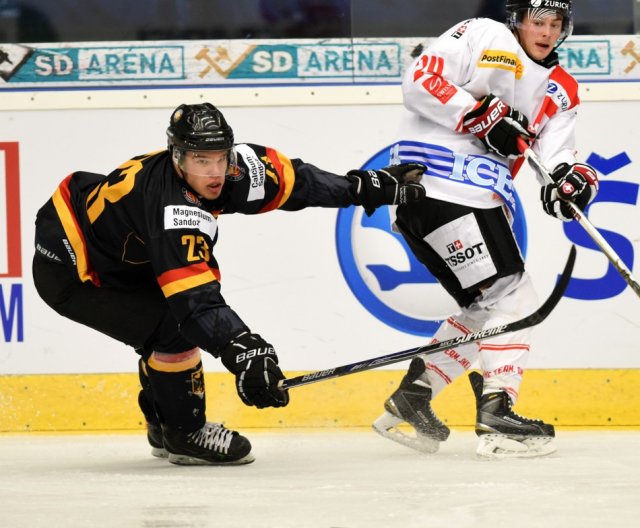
131,255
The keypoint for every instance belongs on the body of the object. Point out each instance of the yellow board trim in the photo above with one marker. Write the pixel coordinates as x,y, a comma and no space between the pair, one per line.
588,398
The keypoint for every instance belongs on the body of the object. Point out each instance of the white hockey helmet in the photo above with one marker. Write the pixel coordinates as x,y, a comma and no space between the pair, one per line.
516,9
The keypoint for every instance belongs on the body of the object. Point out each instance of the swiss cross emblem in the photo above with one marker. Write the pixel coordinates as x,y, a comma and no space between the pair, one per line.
454,246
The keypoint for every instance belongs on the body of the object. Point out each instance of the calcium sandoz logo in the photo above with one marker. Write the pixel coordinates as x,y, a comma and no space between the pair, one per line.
383,273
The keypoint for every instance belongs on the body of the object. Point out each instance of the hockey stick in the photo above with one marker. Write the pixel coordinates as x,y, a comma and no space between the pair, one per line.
531,320
595,235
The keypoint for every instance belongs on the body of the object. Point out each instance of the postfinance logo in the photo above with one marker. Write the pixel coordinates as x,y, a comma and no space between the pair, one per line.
384,275
11,291
503,60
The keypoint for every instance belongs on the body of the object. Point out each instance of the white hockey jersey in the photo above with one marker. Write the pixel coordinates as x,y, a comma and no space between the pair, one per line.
473,59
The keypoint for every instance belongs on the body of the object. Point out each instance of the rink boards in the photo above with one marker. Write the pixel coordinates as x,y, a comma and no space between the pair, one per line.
313,293
595,398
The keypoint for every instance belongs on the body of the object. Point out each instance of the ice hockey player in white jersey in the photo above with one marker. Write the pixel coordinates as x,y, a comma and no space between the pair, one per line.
470,98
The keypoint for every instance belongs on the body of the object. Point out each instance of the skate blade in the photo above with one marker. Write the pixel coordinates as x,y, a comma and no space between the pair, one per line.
387,426
159,452
502,446
186,460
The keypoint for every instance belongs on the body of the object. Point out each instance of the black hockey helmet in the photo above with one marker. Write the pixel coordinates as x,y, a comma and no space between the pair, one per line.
199,127
516,9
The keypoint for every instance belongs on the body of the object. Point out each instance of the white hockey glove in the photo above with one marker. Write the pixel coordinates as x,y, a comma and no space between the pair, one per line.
498,126
577,183
255,365
393,185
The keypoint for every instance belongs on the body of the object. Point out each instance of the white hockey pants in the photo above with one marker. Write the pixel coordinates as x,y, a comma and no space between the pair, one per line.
502,359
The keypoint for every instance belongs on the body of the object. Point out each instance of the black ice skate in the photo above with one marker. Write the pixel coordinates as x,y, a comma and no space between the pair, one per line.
411,404
154,430
503,433
154,437
213,444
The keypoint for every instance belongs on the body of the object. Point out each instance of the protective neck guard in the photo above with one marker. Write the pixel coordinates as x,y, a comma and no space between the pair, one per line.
549,61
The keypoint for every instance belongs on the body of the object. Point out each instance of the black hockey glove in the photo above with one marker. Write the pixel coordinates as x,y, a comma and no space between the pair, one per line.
255,365
498,126
577,183
396,184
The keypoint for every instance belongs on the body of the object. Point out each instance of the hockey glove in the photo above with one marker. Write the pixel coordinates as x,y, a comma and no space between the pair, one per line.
255,365
396,184
577,183
498,126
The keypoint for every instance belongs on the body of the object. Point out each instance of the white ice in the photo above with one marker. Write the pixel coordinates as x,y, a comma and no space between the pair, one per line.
319,480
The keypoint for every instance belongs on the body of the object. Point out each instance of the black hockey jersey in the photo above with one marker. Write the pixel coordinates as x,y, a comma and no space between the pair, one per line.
143,225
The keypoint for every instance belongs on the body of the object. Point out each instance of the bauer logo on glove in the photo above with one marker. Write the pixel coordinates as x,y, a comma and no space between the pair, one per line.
255,365
393,185
498,126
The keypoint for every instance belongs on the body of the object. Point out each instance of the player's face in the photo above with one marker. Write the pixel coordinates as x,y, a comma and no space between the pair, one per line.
205,171
538,36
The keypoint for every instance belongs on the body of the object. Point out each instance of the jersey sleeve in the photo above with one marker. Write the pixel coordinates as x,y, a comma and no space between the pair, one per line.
433,85
269,180
555,142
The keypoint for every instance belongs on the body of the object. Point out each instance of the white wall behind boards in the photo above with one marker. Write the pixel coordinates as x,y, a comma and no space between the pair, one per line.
281,272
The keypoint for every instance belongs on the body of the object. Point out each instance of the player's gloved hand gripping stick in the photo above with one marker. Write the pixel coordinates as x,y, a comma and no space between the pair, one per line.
531,320
595,235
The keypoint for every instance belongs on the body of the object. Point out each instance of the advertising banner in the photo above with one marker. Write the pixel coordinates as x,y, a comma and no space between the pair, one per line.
326,287
227,63
11,291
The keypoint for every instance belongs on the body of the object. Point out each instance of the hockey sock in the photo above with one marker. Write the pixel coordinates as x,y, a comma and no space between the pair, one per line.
145,397
177,383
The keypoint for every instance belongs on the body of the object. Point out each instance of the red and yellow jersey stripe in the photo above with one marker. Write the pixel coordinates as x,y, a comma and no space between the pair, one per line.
285,178
64,208
182,279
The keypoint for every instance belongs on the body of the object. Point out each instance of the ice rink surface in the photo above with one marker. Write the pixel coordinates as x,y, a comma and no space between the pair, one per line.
319,480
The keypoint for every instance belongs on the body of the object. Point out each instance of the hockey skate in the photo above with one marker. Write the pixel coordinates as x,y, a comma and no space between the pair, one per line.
411,404
154,437
212,444
505,434
154,430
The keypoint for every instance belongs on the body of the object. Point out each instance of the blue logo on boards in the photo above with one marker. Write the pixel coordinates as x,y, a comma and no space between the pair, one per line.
12,312
611,192
117,63
383,273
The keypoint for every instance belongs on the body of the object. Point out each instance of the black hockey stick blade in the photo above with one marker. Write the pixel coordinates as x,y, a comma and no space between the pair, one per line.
531,320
